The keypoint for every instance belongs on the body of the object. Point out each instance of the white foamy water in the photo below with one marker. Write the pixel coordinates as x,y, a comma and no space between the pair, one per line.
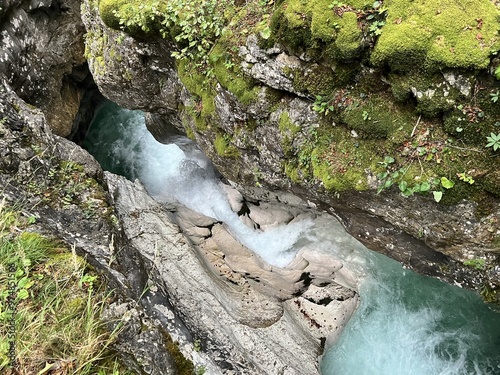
406,324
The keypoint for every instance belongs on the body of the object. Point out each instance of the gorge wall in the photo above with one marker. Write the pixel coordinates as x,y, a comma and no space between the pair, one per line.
373,110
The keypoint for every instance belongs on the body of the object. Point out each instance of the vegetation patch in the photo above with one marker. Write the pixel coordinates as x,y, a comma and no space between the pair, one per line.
229,75
50,307
223,147
432,34
376,117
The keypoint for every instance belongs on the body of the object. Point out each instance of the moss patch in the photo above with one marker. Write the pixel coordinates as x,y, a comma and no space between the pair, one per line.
348,41
223,147
314,27
434,34
230,76
376,118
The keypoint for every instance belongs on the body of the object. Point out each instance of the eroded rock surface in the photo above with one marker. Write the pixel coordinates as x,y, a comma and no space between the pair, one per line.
266,319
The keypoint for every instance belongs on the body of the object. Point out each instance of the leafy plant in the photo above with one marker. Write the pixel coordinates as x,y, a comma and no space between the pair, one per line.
438,195
337,4
322,105
447,184
466,178
494,96
193,24
497,73
197,345
493,141
376,27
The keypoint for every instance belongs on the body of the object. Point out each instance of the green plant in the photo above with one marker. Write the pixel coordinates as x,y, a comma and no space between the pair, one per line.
337,4
493,141
197,345
376,27
447,184
497,73
50,306
465,178
200,370
478,264
321,105
194,25
494,96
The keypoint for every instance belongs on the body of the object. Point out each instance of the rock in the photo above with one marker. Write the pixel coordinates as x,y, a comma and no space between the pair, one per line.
42,57
234,198
241,327
119,64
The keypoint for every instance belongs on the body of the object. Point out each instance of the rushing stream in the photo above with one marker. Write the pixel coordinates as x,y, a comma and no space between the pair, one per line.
406,323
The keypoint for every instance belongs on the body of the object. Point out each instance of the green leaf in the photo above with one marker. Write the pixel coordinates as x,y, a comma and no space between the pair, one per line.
389,160
402,186
22,294
425,186
437,195
447,184
266,33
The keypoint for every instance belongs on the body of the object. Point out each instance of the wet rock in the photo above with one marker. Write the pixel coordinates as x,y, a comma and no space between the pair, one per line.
42,57
240,323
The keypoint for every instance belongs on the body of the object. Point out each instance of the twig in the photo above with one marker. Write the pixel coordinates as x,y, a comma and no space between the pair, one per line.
415,127
466,149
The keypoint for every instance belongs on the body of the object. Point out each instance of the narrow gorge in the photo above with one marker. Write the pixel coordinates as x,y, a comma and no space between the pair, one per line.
282,187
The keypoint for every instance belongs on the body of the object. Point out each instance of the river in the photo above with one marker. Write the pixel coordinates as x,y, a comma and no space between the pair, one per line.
406,324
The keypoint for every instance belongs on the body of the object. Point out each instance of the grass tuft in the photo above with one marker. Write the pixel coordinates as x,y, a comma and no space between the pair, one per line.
50,307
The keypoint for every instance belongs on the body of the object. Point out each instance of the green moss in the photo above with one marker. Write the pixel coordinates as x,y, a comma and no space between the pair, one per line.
349,37
196,82
473,121
491,182
183,366
313,27
377,118
108,9
290,24
286,126
435,34
324,23
316,80
230,76
223,147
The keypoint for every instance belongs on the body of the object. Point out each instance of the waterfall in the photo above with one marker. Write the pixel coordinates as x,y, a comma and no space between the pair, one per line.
406,323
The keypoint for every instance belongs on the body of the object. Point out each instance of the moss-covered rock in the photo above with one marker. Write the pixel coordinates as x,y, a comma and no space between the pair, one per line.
474,120
433,34
376,118
229,75
348,41
314,27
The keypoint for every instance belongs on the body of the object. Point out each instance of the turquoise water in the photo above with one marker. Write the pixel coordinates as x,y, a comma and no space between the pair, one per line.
406,323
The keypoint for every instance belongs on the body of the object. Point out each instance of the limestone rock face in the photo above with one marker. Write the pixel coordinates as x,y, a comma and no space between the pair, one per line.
319,112
121,64
42,57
